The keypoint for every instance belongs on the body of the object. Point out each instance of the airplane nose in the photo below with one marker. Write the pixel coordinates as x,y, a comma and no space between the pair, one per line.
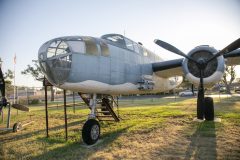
55,59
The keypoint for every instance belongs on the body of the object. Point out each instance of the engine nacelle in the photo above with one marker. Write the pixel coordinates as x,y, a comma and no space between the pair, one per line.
213,71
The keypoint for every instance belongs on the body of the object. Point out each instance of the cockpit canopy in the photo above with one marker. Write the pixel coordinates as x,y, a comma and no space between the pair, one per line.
121,41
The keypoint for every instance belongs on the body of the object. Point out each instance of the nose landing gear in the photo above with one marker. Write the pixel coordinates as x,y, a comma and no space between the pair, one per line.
91,128
91,131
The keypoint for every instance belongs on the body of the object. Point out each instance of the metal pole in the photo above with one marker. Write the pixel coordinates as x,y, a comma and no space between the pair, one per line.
74,103
118,107
65,114
17,99
174,92
14,85
27,97
46,106
9,116
2,115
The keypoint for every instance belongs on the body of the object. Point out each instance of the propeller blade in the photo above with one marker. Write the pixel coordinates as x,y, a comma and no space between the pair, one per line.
173,49
20,107
2,83
231,47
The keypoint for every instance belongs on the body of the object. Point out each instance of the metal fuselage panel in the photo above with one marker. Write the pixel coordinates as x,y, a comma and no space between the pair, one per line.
122,66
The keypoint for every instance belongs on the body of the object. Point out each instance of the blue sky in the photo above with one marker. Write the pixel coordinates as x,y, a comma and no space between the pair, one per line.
26,24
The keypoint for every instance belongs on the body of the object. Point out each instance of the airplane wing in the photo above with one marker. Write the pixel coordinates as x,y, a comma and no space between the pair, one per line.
233,58
169,68
172,68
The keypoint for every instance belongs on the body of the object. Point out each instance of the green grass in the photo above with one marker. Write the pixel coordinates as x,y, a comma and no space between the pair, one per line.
150,129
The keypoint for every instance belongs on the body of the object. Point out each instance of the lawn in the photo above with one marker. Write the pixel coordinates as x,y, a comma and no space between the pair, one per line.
151,128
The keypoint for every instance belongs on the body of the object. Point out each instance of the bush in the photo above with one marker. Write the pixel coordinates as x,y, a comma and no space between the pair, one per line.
34,101
24,101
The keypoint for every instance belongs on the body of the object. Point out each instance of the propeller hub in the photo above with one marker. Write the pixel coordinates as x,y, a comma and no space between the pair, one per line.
202,63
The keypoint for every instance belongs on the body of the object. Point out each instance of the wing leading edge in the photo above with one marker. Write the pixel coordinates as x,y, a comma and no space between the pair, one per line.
169,68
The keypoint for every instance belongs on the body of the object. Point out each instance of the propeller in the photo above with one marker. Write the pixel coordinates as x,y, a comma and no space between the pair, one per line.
20,107
201,63
231,47
2,88
4,101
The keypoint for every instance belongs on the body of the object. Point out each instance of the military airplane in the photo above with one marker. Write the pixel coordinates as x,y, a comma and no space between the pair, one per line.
115,65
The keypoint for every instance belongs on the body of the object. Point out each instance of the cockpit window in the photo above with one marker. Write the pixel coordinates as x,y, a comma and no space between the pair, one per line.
77,46
136,49
115,38
57,48
145,52
104,49
91,46
129,44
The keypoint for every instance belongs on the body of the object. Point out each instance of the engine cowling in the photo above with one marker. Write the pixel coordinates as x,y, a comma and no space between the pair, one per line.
213,71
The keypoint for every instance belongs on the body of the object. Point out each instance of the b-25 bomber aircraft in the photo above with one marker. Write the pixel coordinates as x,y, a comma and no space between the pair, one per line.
101,68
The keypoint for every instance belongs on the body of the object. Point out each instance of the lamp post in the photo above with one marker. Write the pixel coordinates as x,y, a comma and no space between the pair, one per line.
1,63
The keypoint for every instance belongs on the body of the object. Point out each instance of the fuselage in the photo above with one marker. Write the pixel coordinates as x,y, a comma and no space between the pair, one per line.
112,64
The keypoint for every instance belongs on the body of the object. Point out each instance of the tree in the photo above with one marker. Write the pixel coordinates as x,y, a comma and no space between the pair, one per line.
37,73
8,76
229,73
185,83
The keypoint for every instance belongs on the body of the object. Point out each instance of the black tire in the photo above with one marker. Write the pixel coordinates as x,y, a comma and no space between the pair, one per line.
17,127
209,108
91,131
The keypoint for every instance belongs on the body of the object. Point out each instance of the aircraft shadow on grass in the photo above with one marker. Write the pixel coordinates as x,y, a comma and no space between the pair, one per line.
203,142
78,150
29,134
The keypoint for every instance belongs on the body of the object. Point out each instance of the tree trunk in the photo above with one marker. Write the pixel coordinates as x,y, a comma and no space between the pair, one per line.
228,90
52,94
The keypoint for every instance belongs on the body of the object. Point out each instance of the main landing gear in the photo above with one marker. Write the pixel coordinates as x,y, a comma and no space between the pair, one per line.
209,108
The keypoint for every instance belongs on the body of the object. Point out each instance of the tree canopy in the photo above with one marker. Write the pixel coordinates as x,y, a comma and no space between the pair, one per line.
34,71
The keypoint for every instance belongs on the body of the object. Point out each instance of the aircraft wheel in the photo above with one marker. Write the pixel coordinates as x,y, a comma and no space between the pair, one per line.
209,108
91,131
17,127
